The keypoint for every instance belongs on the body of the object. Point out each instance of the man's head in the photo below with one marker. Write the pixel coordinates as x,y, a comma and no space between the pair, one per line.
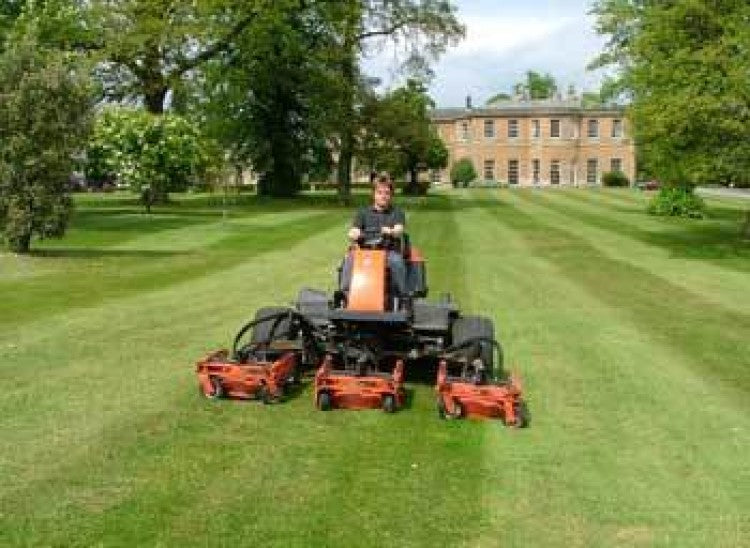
382,192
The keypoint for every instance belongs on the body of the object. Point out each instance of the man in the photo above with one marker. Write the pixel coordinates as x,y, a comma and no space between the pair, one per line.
381,218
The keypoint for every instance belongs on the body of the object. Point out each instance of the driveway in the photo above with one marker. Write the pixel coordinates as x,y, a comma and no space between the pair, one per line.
740,193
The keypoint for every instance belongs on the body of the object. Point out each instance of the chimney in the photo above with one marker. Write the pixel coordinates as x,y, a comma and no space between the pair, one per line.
468,102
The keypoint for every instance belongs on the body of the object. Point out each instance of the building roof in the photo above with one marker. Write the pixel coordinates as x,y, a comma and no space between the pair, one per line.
527,107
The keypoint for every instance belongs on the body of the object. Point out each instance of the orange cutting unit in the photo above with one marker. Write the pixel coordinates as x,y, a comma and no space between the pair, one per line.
470,395
366,390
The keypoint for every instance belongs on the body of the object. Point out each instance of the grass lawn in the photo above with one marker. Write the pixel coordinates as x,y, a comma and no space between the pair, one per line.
632,335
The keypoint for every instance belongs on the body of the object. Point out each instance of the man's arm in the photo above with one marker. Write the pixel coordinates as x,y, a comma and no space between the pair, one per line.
358,223
397,229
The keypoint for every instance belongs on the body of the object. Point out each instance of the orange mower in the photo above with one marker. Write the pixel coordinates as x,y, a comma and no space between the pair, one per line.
364,340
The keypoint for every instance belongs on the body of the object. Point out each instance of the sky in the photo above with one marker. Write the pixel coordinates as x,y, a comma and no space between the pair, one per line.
504,39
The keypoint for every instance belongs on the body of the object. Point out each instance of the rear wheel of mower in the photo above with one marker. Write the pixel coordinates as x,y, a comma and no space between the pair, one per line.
389,403
470,327
325,402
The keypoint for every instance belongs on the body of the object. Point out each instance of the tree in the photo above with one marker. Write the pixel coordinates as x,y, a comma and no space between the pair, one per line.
463,172
425,27
162,154
45,112
535,86
683,65
538,86
402,136
269,103
148,48
498,98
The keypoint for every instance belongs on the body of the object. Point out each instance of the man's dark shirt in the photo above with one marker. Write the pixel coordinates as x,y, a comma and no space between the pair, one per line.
371,220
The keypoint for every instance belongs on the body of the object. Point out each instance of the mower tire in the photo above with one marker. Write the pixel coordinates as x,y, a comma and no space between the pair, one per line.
389,403
442,413
325,402
218,389
470,327
523,417
278,329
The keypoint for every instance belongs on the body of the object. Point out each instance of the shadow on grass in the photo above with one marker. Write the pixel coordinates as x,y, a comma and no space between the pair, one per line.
83,287
97,253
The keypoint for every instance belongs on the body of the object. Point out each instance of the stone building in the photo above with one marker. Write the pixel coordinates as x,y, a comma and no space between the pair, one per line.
537,142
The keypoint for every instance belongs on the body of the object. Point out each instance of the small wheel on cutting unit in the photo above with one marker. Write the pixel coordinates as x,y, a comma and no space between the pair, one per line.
389,403
325,402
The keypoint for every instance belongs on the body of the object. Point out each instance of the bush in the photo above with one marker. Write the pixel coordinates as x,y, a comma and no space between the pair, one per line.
615,179
463,172
677,201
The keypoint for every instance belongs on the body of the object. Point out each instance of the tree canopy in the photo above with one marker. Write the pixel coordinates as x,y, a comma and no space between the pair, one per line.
534,86
45,112
400,137
684,67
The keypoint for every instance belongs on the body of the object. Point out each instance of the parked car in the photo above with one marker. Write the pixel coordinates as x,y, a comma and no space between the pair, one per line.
652,184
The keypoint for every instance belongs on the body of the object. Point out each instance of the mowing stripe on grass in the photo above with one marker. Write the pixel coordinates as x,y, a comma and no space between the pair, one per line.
672,316
153,456
718,280
588,468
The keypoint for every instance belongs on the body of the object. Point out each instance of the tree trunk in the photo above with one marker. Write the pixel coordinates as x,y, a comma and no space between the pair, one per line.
154,99
22,244
345,167
413,187
346,153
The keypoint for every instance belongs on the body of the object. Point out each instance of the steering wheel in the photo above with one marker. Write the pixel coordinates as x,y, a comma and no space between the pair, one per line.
373,240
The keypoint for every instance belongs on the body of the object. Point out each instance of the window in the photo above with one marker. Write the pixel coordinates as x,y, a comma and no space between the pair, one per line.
592,168
489,170
593,132
615,164
489,129
617,129
465,134
554,172
554,128
512,129
536,129
436,175
536,170
513,172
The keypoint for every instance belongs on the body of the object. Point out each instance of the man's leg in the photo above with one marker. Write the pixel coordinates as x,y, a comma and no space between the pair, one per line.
397,267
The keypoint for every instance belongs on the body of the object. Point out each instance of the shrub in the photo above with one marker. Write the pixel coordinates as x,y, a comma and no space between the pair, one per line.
463,172
677,201
615,179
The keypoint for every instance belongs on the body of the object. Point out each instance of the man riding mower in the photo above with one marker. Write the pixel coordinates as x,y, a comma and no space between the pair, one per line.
374,332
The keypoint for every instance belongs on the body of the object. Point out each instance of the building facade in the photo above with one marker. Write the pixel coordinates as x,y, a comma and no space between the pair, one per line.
537,143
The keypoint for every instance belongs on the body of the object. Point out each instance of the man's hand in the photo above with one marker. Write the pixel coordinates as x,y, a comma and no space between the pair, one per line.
355,233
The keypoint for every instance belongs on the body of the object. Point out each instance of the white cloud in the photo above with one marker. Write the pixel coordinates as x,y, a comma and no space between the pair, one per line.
497,52
499,34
